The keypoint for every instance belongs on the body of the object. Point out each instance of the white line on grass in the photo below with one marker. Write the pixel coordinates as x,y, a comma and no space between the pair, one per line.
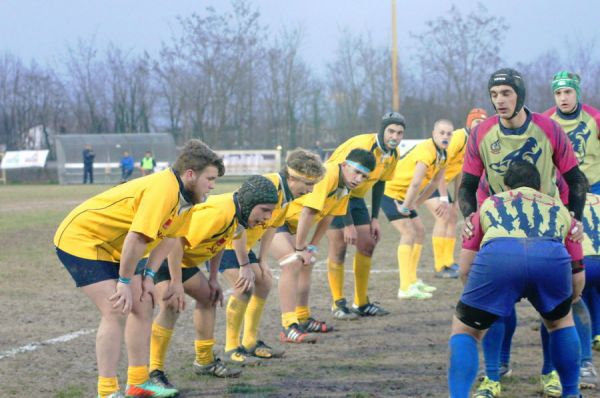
34,346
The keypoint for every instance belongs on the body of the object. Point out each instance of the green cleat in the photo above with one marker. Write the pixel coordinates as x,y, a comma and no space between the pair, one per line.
551,387
488,389
149,389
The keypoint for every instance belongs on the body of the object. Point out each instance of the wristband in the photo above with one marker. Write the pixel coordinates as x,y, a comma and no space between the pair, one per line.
243,265
444,199
125,281
149,272
299,250
577,267
312,249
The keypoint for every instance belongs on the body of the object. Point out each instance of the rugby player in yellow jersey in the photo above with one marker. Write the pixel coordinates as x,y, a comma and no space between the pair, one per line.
443,236
250,276
418,174
102,240
357,227
296,254
212,225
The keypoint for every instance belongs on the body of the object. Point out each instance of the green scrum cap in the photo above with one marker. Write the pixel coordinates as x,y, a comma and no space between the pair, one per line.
567,79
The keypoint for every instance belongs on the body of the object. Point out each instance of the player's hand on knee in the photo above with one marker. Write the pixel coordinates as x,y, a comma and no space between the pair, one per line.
122,298
175,296
148,290
375,230
467,232
442,209
350,235
215,293
245,281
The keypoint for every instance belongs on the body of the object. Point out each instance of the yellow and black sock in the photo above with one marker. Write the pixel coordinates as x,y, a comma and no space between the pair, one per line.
159,346
137,375
415,257
252,319
439,252
362,270
303,313
234,315
288,318
449,252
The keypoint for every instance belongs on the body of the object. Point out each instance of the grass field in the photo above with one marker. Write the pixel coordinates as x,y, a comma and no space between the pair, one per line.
401,355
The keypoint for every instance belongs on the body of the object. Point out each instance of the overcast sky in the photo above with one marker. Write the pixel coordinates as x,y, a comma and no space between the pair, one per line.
42,29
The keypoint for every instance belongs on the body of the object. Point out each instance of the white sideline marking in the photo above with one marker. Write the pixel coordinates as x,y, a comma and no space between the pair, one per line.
34,346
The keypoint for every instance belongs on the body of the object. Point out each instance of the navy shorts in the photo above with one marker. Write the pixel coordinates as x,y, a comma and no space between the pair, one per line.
360,214
436,194
508,269
284,228
87,272
390,209
163,273
229,260
592,271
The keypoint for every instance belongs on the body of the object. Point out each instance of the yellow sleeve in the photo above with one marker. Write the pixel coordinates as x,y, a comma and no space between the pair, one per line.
317,198
425,154
205,222
152,208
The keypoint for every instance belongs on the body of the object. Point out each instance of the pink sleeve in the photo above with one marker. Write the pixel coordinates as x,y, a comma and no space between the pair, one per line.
473,163
574,248
474,241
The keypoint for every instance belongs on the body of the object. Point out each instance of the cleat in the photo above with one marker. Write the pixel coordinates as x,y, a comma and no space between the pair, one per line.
216,369
588,377
369,309
596,342
447,273
160,378
455,267
342,312
262,350
488,389
551,387
117,394
424,287
294,334
313,326
241,357
149,389
505,371
413,293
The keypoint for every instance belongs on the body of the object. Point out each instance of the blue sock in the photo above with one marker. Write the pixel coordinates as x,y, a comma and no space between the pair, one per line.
566,356
591,295
492,343
510,324
547,367
464,361
584,330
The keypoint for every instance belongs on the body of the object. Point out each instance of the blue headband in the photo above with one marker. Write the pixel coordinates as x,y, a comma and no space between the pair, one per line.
358,166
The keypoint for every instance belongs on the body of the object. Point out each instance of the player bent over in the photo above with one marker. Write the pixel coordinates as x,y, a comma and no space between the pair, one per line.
102,240
212,225
296,254
526,258
249,275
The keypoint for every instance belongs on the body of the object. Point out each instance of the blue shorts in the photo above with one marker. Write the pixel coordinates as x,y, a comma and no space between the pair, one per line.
508,269
229,260
436,194
284,228
163,273
360,214
592,271
390,209
595,189
87,272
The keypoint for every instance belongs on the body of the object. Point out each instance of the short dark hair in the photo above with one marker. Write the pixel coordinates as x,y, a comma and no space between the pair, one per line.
521,173
362,157
196,156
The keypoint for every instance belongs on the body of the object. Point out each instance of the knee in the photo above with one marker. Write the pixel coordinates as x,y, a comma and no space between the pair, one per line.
338,253
113,315
366,247
264,283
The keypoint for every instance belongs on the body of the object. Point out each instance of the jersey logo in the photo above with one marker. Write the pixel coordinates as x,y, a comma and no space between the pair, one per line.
529,152
495,147
167,223
591,229
578,138
216,247
529,224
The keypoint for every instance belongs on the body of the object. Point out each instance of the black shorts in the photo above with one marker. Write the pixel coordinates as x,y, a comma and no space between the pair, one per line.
229,260
436,194
390,209
360,214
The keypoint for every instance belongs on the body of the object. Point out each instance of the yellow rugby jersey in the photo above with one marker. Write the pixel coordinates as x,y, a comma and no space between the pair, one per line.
456,153
96,229
425,152
591,225
284,195
327,198
385,163
583,129
212,225
523,213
